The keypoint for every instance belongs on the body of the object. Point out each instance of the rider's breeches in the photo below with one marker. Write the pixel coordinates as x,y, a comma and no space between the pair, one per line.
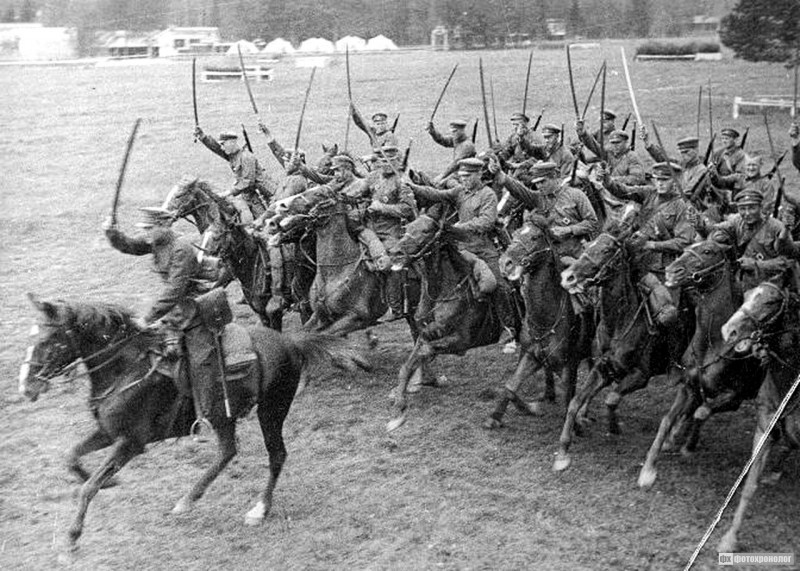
394,292
502,295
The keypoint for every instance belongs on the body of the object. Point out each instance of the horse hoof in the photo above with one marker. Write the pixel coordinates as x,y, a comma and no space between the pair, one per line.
183,506
256,515
702,413
439,382
562,462
492,423
395,423
68,557
413,388
686,453
112,482
647,477
533,408
728,543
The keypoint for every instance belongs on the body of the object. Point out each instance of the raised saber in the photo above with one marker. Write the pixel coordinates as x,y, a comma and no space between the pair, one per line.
572,83
122,169
247,82
349,95
527,82
194,95
710,110
483,99
494,109
779,194
303,111
594,86
699,108
794,99
441,95
602,117
630,86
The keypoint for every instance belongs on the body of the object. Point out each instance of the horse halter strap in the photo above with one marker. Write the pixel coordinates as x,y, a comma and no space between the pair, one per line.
605,268
760,326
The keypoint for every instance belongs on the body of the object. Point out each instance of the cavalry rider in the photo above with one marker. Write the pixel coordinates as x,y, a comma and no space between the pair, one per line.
729,158
458,140
667,229
624,166
387,205
750,179
476,204
253,188
694,179
175,261
763,246
379,133
516,149
552,150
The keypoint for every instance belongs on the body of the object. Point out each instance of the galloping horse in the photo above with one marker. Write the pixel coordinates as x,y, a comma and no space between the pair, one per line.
346,295
553,336
450,316
217,220
135,403
767,326
713,379
631,348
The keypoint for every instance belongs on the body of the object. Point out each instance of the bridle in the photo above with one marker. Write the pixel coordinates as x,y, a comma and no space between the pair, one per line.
604,268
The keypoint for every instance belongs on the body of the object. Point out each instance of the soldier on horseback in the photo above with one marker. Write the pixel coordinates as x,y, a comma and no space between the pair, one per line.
476,204
623,165
552,150
175,309
462,145
517,148
379,132
253,187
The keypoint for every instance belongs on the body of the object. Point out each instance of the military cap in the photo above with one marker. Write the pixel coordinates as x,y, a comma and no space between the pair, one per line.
470,165
520,117
543,170
155,216
730,132
343,161
227,135
551,128
617,135
290,152
609,114
380,116
749,196
388,150
666,170
689,143
458,123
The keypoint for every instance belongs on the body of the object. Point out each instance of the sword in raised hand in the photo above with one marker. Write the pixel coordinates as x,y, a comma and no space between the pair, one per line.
441,95
122,169
630,87
194,95
572,84
247,83
303,112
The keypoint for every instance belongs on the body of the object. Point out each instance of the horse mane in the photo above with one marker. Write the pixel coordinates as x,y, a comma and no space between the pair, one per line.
227,210
90,316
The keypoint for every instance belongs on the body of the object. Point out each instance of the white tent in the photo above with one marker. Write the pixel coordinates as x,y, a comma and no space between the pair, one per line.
278,46
379,43
246,47
317,45
353,43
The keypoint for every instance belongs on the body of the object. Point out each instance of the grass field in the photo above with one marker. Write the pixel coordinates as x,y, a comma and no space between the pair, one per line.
440,493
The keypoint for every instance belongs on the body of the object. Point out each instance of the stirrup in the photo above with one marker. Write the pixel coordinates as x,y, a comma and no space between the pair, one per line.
199,430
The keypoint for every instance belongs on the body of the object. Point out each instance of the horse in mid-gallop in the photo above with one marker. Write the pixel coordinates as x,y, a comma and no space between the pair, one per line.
713,378
554,337
631,347
453,315
135,402
767,326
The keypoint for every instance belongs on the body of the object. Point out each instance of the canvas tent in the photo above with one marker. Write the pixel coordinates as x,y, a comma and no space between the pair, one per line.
379,43
246,47
278,46
317,46
353,43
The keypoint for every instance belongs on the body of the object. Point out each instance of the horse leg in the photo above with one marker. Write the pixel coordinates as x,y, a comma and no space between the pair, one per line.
594,384
728,542
97,440
727,401
226,450
526,367
271,413
421,354
121,453
633,381
372,339
680,407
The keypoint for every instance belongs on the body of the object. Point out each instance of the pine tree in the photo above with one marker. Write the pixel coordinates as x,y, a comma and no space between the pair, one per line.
763,30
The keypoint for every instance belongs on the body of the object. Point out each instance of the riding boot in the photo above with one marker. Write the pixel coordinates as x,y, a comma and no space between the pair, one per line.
376,249
660,300
507,317
394,297
276,283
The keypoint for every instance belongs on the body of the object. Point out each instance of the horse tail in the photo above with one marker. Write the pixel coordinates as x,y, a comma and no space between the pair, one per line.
314,350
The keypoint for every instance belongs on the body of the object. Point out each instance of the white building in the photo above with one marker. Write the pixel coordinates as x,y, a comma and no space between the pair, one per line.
176,41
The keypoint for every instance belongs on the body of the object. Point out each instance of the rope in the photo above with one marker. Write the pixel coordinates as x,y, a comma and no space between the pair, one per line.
746,468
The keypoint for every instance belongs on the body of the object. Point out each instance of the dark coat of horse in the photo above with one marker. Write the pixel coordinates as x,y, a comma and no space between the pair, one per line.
713,379
767,326
553,336
631,348
451,318
135,404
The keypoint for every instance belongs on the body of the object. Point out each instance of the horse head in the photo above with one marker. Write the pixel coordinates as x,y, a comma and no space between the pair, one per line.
697,262
325,164
65,333
528,246
595,264
419,235
763,306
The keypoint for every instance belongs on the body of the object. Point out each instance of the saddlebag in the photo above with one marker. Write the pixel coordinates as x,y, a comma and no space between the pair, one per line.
213,309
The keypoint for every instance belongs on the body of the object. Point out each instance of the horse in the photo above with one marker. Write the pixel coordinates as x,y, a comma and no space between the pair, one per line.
452,315
217,221
554,337
346,294
135,402
713,380
631,348
767,326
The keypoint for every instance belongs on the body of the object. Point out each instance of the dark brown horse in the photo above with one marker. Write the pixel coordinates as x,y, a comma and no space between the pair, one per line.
632,350
713,378
767,326
135,404
553,337
451,318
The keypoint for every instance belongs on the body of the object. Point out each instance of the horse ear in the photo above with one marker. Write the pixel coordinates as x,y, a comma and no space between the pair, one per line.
324,149
48,309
